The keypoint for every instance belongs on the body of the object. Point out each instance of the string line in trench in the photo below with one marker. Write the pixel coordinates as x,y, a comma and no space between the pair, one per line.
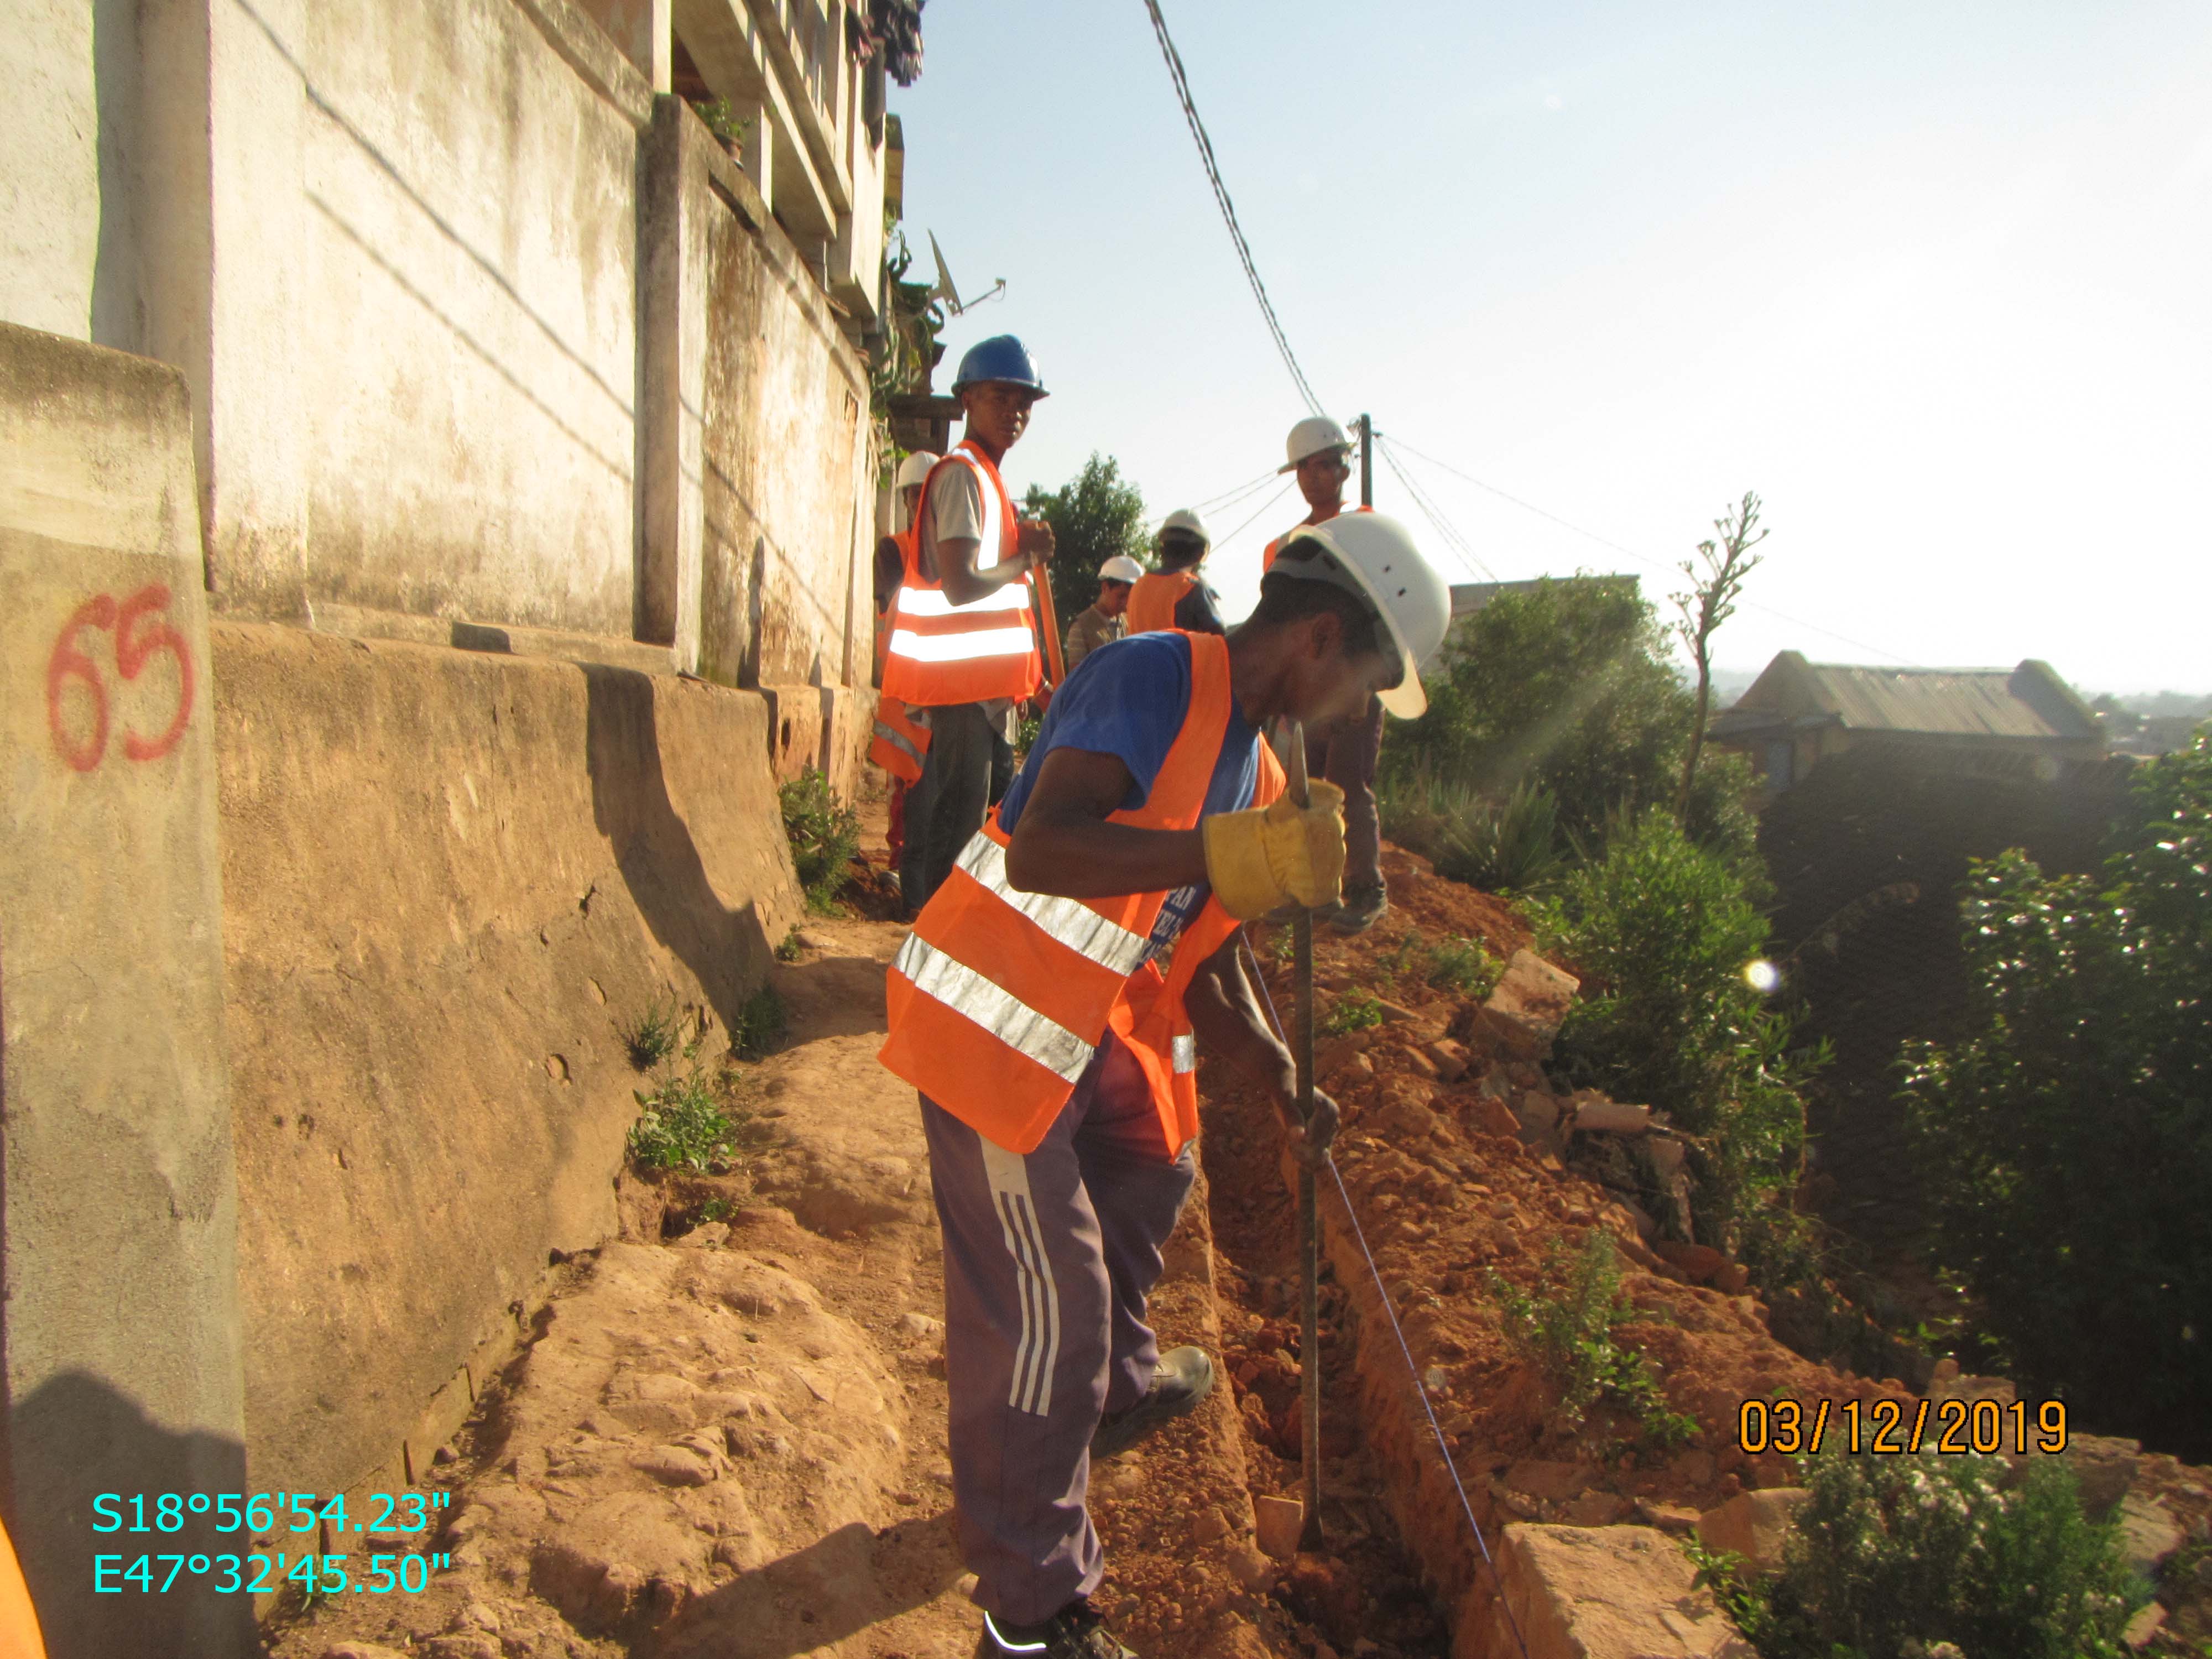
1390,1313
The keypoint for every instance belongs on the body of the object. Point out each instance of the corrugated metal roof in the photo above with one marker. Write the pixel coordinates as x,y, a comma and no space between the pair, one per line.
2026,701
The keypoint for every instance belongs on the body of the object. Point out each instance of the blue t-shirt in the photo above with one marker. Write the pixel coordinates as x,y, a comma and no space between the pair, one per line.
1127,699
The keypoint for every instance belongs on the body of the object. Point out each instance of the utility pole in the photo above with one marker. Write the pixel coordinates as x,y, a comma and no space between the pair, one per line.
1367,460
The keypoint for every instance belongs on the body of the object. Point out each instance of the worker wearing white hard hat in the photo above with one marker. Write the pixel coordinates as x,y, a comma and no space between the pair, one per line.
1176,595
1103,624
1062,1092
1320,451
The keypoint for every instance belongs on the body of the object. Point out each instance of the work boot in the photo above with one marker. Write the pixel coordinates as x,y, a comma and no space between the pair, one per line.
1074,1632
1183,1377
1363,906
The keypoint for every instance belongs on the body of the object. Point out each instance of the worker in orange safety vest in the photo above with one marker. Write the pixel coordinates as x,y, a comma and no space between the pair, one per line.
964,642
900,740
1319,453
1048,1007
1176,595
20,1638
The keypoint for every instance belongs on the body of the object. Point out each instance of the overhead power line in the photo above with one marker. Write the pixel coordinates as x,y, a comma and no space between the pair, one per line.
1461,547
1657,564
1229,208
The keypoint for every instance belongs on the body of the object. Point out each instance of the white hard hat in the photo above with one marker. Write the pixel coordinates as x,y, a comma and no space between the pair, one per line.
914,470
1312,435
1373,554
1119,568
1184,519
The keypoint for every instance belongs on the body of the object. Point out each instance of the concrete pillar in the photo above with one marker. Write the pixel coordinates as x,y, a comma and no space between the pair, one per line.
673,205
640,31
120,1330
49,167
756,155
208,103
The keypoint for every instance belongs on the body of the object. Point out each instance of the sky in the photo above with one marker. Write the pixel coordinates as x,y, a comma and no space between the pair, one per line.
1935,282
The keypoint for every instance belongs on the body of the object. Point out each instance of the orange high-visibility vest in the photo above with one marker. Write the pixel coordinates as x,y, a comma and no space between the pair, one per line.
1268,558
900,739
19,1620
941,652
1153,599
998,997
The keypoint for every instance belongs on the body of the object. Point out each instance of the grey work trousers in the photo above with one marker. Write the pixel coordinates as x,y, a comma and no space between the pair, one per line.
1346,754
1048,1257
947,802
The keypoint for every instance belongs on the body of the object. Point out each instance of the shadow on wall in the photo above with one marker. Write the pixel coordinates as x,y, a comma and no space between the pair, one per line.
726,950
74,1437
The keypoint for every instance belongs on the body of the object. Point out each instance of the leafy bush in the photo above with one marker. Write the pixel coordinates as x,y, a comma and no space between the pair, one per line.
1355,1011
1893,1555
761,1025
1466,965
1498,846
790,948
2072,1119
655,1035
1662,931
682,1125
824,834
1567,1328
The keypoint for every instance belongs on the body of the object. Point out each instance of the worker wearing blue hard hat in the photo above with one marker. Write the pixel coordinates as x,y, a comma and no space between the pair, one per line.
963,648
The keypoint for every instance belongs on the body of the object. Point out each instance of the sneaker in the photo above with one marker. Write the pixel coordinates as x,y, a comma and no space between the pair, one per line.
1363,906
1183,1377
1074,1632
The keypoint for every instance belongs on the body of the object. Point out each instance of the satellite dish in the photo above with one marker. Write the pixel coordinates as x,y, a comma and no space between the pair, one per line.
945,290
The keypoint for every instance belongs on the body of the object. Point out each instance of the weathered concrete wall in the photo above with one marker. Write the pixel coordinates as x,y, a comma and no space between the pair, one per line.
119,1328
49,166
468,337
454,878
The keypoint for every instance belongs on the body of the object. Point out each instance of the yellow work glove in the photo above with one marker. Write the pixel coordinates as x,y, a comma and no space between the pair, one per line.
1283,854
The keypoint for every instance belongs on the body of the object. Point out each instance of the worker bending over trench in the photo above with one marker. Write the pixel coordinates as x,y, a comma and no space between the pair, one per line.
1048,1006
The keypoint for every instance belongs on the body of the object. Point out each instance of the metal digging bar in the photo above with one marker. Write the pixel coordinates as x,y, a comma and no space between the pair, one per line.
1293,740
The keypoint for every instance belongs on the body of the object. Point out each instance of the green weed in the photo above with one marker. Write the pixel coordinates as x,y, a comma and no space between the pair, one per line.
682,1125
1355,1011
824,834
1465,965
1567,1328
790,948
656,1034
761,1025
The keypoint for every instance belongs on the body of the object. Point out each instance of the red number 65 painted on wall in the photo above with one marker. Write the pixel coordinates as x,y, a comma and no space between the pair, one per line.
136,638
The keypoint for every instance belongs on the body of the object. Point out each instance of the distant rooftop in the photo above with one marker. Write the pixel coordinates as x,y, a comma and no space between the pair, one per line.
2027,700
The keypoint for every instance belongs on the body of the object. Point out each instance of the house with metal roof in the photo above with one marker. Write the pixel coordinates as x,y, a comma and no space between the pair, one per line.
2022,721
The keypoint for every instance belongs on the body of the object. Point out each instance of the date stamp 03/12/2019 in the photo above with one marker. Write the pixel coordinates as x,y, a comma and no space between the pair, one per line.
1953,1428
263,1564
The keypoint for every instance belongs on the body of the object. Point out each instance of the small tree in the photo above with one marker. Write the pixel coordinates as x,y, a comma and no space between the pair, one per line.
1711,602
1094,516
2068,1133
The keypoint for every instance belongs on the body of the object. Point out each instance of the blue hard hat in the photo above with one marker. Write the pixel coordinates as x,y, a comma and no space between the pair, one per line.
1001,357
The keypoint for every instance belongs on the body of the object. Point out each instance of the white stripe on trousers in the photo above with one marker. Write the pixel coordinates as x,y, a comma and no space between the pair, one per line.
1008,1174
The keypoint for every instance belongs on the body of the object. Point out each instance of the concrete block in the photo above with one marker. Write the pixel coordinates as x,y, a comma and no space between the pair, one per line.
121,1333
1606,1593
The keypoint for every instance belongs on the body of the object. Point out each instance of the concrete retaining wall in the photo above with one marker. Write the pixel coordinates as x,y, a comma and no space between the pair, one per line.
454,877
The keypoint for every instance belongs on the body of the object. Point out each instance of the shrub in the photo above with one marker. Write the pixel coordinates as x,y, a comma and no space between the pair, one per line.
824,834
1567,1328
761,1025
790,947
1663,930
1355,1011
1498,845
2071,1120
1466,965
655,1035
682,1125
1895,1555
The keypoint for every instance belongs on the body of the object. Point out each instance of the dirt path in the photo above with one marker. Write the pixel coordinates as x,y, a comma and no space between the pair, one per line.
727,1437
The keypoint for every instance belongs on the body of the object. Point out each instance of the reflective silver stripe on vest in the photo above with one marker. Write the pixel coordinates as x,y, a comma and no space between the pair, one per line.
994,1008
1185,1053
1071,921
898,740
